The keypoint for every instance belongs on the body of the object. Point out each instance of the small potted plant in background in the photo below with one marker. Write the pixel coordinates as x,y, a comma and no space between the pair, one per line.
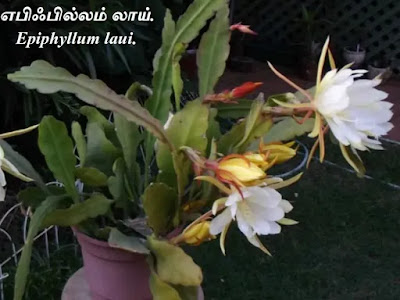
310,48
354,55
380,66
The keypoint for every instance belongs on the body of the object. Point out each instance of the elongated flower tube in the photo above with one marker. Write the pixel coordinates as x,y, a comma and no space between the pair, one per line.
353,109
231,96
245,89
198,234
242,28
256,210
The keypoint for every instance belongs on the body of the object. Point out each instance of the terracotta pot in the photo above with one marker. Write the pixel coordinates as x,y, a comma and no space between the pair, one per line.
114,274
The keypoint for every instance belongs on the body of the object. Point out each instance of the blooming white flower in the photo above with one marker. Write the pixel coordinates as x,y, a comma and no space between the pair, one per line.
256,213
353,109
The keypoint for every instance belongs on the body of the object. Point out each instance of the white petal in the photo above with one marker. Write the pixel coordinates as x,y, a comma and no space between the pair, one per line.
265,196
338,132
275,228
343,77
220,222
372,145
332,100
286,206
362,92
233,209
234,197
243,225
261,227
273,214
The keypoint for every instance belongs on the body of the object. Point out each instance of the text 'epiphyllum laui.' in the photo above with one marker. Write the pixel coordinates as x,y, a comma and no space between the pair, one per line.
72,38
28,40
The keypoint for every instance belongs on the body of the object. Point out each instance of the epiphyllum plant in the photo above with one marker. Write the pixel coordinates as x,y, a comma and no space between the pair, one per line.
204,180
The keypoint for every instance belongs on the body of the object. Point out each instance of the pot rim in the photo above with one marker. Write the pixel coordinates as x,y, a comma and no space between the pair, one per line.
89,239
377,68
361,50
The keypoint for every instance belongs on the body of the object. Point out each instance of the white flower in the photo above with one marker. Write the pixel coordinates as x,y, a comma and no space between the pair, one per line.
256,213
354,109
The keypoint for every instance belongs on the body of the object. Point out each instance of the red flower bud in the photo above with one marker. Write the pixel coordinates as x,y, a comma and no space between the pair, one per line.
243,28
245,89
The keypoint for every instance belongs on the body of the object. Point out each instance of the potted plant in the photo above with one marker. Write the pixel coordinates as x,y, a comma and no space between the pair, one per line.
380,67
310,47
354,55
131,215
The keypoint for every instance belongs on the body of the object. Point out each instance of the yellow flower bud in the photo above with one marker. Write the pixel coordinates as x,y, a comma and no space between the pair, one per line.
258,159
241,168
198,234
281,153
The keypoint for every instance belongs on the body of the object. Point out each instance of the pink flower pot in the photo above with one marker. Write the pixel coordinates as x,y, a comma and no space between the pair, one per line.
114,274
